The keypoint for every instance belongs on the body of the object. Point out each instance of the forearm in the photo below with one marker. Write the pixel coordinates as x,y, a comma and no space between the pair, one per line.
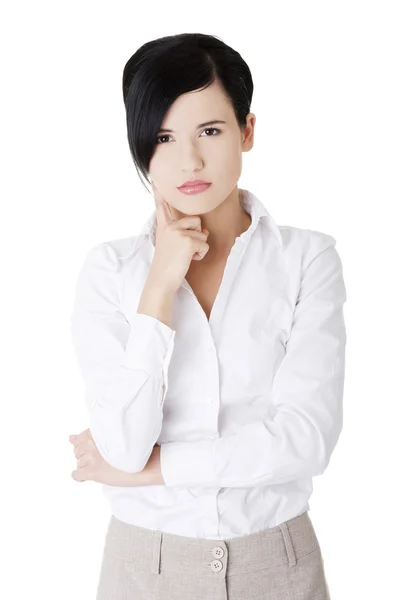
151,474
156,302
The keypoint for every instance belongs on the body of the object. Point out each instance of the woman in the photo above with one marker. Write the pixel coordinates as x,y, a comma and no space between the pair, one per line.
212,347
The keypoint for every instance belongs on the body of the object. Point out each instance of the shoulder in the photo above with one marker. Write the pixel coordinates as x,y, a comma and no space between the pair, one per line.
305,244
102,273
113,253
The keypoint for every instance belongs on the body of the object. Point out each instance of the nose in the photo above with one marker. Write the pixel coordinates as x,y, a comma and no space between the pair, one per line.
190,160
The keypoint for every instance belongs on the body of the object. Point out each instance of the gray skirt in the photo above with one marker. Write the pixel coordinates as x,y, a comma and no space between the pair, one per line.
281,563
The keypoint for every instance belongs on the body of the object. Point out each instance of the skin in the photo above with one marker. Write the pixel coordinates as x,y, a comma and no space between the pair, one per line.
91,466
191,153
187,153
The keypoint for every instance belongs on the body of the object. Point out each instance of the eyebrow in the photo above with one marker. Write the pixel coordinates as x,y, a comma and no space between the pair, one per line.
198,126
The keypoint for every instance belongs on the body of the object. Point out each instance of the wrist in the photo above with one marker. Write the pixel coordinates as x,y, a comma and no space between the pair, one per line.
156,285
152,472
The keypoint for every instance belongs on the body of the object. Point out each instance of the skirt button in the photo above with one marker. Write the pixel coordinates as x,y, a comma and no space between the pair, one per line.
216,565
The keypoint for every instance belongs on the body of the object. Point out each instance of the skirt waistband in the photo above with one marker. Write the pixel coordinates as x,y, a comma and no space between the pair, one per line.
154,551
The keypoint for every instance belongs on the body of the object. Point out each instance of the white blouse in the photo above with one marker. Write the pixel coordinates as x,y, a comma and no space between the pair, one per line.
247,407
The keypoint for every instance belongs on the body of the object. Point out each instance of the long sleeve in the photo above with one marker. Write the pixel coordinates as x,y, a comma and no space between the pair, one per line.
306,402
122,364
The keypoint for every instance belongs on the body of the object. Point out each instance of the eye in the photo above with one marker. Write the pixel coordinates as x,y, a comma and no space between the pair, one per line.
212,129
160,137
208,129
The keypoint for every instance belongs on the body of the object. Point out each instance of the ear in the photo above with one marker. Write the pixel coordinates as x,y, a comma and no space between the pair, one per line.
248,133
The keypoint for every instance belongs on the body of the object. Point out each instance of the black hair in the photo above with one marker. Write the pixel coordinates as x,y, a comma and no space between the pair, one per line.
163,69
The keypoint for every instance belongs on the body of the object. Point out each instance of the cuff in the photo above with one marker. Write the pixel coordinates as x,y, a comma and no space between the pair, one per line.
188,464
149,344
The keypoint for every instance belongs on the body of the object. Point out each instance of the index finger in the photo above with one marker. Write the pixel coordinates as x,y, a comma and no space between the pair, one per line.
163,210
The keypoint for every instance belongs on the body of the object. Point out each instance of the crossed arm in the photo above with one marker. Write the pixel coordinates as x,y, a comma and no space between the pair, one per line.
296,441
92,466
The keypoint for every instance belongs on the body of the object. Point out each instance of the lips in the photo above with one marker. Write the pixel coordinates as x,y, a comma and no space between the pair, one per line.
194,183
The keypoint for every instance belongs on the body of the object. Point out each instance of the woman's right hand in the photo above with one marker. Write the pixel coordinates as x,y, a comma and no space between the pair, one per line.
178,242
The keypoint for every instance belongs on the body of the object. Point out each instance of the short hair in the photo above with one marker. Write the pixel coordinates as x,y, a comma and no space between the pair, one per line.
163,69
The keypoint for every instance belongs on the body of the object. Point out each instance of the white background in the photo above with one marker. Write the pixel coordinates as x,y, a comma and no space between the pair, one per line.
326,157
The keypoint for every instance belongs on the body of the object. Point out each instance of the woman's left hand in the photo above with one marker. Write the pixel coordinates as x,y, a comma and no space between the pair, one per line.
92,466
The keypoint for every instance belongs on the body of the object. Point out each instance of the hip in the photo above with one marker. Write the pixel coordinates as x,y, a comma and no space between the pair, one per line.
283,562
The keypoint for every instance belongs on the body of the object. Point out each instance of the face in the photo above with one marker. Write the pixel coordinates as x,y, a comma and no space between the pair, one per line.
212,153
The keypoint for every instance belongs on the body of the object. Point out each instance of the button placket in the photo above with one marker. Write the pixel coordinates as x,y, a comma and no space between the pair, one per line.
211,374
217,565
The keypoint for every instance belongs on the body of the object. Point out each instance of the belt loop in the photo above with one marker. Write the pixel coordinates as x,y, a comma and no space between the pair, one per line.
288,544
156,551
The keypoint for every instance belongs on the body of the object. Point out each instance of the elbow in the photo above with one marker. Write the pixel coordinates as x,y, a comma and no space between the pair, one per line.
321,463
325,446
308,442
129,464
118,458
133,460
125,448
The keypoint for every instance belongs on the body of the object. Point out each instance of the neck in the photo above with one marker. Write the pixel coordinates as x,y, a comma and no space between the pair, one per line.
225,222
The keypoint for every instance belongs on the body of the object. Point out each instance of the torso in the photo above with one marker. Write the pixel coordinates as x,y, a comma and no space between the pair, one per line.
205,282
205,276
